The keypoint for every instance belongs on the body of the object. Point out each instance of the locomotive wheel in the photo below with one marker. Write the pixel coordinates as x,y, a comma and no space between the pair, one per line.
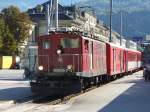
104,79
113,77
121,75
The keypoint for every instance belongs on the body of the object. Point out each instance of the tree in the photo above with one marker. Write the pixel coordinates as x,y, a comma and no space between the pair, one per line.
18,24
7,42
2,27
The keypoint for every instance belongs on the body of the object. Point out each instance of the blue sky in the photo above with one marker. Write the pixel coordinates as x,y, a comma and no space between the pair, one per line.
25,4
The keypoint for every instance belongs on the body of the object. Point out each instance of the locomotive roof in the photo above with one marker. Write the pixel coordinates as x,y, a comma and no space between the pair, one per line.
94,39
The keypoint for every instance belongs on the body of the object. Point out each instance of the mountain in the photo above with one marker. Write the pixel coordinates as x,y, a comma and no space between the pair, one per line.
135,15
133,24
125,5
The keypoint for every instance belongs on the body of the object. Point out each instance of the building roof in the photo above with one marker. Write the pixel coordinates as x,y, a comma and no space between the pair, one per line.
41,16
39,12
43,6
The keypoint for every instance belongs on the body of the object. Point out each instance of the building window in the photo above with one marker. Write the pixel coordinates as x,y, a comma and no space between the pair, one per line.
46,44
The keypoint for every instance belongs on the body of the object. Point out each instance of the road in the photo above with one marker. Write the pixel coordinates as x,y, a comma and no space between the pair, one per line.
128,94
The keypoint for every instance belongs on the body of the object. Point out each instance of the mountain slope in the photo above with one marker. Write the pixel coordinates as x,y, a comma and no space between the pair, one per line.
125,5
133,24
136,15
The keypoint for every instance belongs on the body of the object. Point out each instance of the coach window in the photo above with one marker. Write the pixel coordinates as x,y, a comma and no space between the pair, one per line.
70,43
46,45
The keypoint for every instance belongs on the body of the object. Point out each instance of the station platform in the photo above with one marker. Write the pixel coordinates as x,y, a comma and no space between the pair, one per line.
128,94
12,87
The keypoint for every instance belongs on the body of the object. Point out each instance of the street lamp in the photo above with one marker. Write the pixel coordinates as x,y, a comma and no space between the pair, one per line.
56,15
110,18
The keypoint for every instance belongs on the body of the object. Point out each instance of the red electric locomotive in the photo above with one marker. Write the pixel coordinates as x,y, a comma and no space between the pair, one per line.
69,62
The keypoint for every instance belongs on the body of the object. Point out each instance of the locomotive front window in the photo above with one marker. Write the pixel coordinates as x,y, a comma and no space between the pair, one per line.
69,43
46,44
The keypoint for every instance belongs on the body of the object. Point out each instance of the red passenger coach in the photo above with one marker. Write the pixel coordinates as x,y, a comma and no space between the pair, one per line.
122,60
116,58
133,60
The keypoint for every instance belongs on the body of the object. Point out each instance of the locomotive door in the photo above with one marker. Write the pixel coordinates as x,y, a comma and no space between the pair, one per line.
91,54
55,58
114,60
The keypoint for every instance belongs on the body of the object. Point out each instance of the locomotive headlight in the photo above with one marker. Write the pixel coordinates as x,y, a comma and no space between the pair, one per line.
41,68
69,68
58,51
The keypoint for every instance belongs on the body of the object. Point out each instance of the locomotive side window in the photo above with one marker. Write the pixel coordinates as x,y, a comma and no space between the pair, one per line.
86,44
46,44
69,43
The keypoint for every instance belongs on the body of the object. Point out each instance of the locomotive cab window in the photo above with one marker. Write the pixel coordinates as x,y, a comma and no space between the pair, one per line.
70,43
86,44
46,45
